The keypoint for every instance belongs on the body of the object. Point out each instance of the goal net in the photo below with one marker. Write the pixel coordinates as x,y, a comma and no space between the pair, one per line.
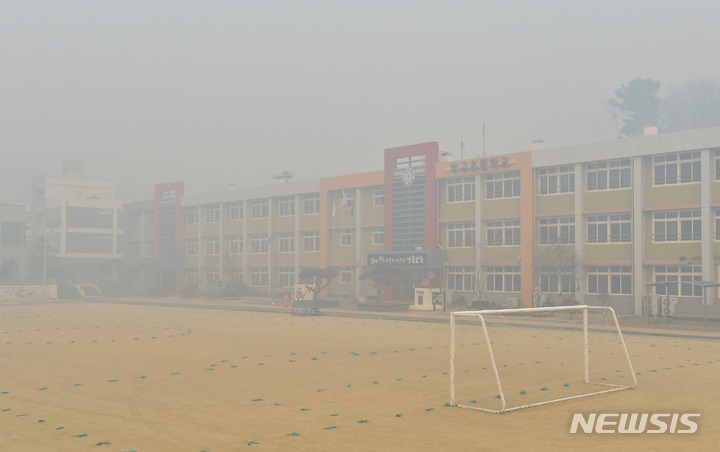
508,359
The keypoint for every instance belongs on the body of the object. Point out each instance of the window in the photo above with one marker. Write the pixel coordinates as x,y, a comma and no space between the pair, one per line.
135,249
212,277
236,212
236,276
259,208
608,175
166,195
286,206
191,247
461,189
212,245
461,278
677,226
52,213
150,221
192,216
259,276
150,279
503,232
676,168
557,180
717,164
557,230
502,279
259,243
150,249
286,242
191,276
346,237
53,238
13,233
311,203
613,280
346,200
609,228
311,241
461,234
717,224
135,220
680,279
379,198
236,244
346,275
503,185
557,279
378,236
212,214
286,277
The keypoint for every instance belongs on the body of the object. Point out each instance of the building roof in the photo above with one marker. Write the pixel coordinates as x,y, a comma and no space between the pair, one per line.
628,147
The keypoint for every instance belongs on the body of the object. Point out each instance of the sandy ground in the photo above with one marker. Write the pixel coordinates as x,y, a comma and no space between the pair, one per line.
103,376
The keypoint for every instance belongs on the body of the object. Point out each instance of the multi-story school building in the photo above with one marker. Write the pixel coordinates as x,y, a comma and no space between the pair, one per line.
75,225
594,223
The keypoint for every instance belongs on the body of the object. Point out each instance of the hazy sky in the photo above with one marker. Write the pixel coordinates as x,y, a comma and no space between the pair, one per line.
218,92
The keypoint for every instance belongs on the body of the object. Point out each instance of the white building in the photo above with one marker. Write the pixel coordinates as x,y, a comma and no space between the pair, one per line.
79,219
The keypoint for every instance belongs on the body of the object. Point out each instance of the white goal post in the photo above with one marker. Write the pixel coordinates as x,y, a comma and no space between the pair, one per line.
509,359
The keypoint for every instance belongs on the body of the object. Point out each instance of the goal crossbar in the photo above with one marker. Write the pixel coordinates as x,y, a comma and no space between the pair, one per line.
586,330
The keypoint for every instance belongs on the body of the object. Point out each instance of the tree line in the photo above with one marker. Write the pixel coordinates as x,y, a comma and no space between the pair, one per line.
692,104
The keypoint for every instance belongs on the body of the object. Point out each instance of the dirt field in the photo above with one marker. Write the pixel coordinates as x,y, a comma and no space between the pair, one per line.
100,376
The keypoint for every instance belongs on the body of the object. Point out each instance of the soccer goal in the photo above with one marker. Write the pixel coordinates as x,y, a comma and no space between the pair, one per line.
508,359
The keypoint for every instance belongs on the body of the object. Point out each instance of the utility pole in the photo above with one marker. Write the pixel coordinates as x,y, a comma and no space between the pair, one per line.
483,139
44,236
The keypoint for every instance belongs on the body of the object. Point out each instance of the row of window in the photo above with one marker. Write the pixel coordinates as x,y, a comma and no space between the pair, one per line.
285,242
259,276
668,226
616,228
601,280
667,169
606,175
137,251
212,276
136,220
13,233
260,208
259,243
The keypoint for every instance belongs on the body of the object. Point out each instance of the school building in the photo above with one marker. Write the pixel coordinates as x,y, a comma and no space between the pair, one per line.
593,223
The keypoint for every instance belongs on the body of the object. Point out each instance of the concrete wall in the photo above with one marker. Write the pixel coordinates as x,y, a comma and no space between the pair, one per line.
21,292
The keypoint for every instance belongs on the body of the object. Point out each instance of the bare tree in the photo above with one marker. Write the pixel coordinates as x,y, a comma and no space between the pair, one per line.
379,274
693,104
607,125
41,256
480,271
558,266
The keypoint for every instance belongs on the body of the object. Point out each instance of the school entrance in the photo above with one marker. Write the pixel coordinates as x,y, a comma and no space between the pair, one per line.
408,271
